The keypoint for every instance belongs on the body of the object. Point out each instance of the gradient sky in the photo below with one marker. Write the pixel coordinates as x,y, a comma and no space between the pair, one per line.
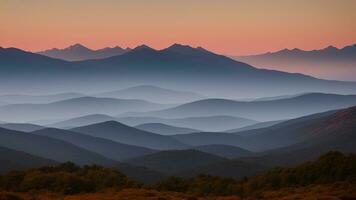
234,27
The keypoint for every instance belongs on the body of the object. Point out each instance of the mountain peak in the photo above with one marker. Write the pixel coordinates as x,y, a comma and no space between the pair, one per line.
185,49
142,47
179,46
77,46
331,48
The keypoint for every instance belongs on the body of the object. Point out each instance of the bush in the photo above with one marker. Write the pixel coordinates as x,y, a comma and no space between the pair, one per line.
9,196
66,178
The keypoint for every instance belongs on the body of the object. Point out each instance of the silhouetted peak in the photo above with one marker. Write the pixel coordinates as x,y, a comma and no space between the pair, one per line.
142,47
77,46
330,48
185,49
349,48
296,50
179,46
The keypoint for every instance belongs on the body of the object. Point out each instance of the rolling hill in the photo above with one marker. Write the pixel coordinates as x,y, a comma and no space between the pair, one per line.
153,94
73,108
211,138
205,123
15,160
260,110
110,149
333,131
82,121
164,129
226,151
50,148
24,127
119,132
254,126
174,161
38,99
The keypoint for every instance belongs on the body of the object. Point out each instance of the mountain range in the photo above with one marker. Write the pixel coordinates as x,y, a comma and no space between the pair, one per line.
16,160
330,62
50,148
119,132
164,129
74,108
37,99
78,52
178,67
235,155
210,123
153,94
279,109
108,148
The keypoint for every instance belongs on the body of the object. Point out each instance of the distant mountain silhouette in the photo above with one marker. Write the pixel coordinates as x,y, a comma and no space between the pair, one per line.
110,149
153,94
79,52
174,161
24,127
327,63
73,108
118,132
15,160
205,123
21,99
164,129
50,148
225,151
259,110
188,68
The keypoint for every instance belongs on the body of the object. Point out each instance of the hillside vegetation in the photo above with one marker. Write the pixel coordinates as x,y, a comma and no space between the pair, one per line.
332,176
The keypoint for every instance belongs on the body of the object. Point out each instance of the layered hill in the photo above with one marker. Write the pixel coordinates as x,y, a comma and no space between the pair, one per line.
73,108
119,132
164,129
82,121
15,160
24,127
153,94
260,110
205,123
38,99
226,151
108,148
334,131
50,148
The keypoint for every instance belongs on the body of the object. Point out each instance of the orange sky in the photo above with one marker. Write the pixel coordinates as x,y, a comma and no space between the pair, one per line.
234,27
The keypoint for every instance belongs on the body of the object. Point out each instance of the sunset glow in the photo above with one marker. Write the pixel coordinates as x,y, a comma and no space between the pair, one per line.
229,27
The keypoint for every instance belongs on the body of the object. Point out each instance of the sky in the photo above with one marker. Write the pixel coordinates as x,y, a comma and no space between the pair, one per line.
231,27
